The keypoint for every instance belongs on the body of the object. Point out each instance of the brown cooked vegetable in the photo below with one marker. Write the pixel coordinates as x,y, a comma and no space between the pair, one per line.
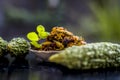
60,38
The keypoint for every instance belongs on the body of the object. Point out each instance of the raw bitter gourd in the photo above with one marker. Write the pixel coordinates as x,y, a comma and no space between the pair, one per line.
89,56
3,46
18,46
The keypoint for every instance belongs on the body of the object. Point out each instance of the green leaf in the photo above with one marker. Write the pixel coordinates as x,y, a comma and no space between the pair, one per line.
32,36
40,28
43,35
36,44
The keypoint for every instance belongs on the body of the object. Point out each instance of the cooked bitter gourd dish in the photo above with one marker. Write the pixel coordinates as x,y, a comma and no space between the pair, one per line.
89,56
60,38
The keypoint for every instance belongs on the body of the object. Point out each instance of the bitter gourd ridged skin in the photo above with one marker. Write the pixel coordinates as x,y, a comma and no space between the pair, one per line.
18,46
3,46
89,56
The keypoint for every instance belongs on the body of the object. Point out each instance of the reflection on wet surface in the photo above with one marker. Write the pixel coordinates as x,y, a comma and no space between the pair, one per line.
31,69
54,74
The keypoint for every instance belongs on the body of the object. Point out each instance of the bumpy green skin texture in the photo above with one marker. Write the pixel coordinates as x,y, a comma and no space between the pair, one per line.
18,46
3,46
89,56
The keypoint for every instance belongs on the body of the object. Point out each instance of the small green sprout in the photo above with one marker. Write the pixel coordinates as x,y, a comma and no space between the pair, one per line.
35,37
41,32
32,36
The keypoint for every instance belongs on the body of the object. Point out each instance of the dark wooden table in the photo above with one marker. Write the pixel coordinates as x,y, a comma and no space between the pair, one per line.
32,69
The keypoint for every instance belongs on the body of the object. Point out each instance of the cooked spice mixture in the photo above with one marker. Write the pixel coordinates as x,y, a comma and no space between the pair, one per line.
60,38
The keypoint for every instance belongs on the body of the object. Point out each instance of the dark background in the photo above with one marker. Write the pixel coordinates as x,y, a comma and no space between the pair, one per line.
95,20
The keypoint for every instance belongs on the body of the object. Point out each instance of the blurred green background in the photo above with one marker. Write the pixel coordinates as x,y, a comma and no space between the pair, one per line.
95,20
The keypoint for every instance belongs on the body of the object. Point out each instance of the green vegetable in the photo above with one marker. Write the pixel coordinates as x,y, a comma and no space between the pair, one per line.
37,45
40,28
18,46
41,32
3,46
1,53
34,37
89,56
